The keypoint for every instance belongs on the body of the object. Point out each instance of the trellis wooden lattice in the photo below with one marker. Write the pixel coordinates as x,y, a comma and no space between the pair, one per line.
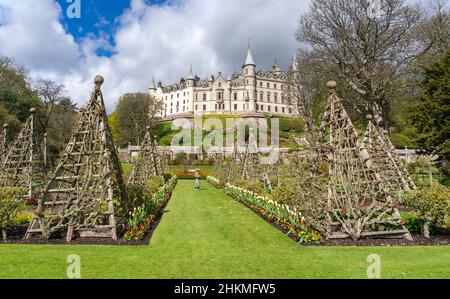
386,162
359,204
79,197
149,163
23,163
251,163
3,142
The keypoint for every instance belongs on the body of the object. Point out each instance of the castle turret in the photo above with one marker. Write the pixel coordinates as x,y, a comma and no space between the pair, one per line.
276,69
152,89
190,79
249,73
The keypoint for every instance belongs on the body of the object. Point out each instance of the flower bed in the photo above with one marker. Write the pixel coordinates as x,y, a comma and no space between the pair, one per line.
213,181
144,216
289,219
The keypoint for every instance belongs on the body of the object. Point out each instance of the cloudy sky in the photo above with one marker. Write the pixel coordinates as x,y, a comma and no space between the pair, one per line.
129,42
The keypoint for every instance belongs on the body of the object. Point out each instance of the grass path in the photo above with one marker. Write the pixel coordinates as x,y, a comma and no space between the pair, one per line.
208,235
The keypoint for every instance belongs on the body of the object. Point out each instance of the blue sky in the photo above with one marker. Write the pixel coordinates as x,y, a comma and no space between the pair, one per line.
96,16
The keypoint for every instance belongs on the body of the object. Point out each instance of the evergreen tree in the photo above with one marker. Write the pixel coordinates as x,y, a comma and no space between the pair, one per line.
431,116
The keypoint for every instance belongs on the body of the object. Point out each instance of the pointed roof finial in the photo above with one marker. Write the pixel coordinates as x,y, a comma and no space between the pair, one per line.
191,74
249,60
153,83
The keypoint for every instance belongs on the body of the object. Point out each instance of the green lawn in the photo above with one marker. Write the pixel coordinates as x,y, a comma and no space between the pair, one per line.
208,235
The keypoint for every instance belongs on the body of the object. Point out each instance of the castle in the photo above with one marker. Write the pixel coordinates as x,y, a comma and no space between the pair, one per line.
248,92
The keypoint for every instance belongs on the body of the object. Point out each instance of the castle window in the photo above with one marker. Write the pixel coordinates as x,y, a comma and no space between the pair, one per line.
290,110
178,95
196,97
235,106
235,96
261,97
260,84
275,86
215,106
220,84
171,110
196,107
204,97
270,108
204,107
268,97
219,95
276,108
246,71
262,107
257,107
171,96
276,98
282,109
268,85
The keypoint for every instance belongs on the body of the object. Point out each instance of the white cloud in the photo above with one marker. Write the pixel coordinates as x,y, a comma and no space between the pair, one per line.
160,40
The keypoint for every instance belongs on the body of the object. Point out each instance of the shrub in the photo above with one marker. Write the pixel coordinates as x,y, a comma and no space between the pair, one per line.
251,185
414,224
153,185
431,205
23,218
10,206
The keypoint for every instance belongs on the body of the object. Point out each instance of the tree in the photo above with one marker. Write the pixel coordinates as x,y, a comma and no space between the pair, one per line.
433,33
304,82
16,97
431,116
61,124
369,50
50,94
134,112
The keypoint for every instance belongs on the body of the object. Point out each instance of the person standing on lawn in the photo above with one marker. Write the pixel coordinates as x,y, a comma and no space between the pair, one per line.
197,180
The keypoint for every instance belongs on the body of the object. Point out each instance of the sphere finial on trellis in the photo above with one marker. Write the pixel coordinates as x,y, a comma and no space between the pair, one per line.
369,116
331,84
5,126
33,110
99,80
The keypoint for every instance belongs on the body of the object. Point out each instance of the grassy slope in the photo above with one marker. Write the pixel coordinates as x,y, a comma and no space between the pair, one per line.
208,235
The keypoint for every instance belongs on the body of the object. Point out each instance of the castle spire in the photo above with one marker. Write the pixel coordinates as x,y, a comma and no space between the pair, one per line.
191,74
249,60
153,84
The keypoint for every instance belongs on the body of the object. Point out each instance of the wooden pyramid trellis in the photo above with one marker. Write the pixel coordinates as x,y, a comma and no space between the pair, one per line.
3,141
251,163
23,164
359,204
386,162
79,197
150,163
